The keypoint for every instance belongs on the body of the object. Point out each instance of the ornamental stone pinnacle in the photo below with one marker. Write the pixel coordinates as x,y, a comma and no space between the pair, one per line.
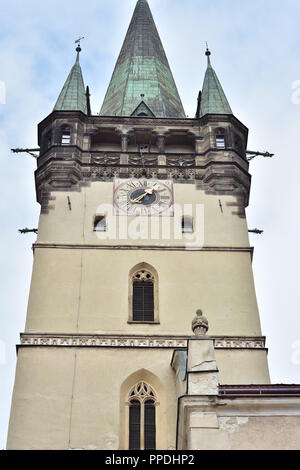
200,324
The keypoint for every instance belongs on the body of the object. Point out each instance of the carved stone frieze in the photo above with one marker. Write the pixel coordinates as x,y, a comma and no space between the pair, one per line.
120,341
181,161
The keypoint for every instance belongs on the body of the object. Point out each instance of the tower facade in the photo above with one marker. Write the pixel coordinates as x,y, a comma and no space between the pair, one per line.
142,224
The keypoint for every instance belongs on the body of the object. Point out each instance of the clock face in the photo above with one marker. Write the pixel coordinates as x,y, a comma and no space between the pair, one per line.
143,197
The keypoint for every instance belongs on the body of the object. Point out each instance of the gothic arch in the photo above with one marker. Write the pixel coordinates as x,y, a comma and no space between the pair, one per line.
154,383
143,271
60,128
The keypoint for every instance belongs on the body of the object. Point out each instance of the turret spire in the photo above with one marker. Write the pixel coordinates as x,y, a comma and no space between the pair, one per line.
213,98
142,68
73,95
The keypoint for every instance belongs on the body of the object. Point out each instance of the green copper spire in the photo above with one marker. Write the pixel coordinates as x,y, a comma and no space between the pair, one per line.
142,73
73,97
213,99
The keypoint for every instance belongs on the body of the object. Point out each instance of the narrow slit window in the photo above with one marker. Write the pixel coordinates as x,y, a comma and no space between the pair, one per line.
100,224
149,426
187,224
135,425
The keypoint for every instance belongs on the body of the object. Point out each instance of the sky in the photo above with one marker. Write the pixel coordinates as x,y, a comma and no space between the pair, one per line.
255,48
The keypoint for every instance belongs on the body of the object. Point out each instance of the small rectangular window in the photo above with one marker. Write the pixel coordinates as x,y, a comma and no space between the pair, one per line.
187,224
66,138
100,223
220,142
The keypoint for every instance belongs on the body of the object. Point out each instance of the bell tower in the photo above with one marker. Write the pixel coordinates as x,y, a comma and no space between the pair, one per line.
142,224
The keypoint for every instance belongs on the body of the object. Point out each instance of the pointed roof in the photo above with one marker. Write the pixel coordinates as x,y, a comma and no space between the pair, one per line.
142,69
213,98
73,96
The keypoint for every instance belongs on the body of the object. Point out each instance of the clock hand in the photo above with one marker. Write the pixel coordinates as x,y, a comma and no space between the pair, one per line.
154,188
138,199
148,191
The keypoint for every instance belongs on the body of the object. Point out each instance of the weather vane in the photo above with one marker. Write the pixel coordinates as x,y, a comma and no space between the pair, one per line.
78,40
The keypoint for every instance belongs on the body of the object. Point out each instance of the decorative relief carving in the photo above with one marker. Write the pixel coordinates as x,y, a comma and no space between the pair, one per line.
200,324
111,159
136,342
143,276
147,160
239,344
181,161
142,392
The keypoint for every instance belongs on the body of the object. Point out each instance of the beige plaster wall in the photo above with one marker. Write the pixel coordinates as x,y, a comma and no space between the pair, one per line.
62,396
242,367
222,226
248,433
86,291
73,399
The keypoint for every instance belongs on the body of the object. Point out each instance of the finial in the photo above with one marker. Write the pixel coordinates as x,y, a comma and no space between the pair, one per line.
78,48
142,96
200,324
207,53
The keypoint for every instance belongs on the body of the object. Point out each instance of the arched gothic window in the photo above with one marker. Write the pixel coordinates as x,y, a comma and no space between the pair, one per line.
143,296
142,417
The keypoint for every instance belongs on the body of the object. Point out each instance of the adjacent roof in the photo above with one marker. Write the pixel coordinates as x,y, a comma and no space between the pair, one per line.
73,97
213,98
142,72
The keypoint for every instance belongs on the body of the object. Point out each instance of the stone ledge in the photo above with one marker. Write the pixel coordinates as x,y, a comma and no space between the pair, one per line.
122,341
69,246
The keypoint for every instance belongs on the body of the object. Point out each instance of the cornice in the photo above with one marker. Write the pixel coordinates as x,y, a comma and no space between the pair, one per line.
143,121
86,246
274,403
